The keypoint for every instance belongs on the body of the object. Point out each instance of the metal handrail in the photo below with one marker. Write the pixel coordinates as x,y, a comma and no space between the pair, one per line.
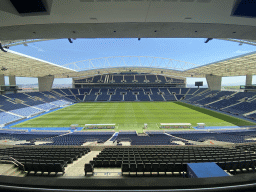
14,161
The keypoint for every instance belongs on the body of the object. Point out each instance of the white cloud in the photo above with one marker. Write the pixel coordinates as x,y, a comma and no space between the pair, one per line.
240,51
38,48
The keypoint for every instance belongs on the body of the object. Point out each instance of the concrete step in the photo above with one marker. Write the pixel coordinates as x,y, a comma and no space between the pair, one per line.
5,168
77,167
11,170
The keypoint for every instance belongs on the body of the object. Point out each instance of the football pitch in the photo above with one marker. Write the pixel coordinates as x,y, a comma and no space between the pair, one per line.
133,115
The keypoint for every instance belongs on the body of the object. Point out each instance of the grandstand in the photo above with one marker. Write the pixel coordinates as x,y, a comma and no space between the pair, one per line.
36,124
110,131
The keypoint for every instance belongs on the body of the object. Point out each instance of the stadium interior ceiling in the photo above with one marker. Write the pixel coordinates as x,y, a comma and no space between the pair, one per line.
127,127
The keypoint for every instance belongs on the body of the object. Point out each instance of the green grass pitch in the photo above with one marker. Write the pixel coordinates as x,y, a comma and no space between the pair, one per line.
133,115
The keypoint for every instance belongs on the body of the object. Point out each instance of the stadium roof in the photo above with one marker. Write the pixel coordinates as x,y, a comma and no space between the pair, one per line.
236,66
127,19
20,65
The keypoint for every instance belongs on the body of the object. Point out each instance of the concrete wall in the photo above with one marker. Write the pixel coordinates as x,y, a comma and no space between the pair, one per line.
2,80
73,83
248,80
45,83
214,82
12,80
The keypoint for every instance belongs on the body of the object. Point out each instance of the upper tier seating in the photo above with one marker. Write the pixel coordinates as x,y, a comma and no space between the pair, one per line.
161,78
118,79
129,78
151,78
140,78
96,79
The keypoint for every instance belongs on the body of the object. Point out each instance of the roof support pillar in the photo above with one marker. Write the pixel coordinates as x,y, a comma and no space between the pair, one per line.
2,80
45,83
12,80
73,83
214,82
248,80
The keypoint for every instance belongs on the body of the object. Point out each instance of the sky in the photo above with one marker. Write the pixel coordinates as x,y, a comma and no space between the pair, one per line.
192,50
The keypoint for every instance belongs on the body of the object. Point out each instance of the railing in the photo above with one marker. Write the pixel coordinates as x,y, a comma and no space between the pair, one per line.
124,139
93,139
14,161
253,86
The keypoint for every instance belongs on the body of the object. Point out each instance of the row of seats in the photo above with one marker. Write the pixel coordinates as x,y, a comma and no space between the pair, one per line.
7,118
129,79
78,138
28,136
130,94
44,159
22,105
173,161
152,138
237,103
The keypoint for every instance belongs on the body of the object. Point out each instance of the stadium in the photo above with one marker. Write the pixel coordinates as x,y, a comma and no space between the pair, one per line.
127,122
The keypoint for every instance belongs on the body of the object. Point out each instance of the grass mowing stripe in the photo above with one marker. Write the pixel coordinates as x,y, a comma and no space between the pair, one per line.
132,115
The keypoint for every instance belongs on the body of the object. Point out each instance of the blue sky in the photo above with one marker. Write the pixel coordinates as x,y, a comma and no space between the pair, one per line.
191,50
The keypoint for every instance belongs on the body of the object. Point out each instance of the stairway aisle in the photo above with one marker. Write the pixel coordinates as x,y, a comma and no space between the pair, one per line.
77,167
10,170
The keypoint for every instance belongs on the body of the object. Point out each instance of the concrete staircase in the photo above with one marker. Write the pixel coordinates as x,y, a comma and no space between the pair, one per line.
77,167
10,170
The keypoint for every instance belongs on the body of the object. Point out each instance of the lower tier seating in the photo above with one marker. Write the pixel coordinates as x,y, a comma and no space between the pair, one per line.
44,160
8,118
156,161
